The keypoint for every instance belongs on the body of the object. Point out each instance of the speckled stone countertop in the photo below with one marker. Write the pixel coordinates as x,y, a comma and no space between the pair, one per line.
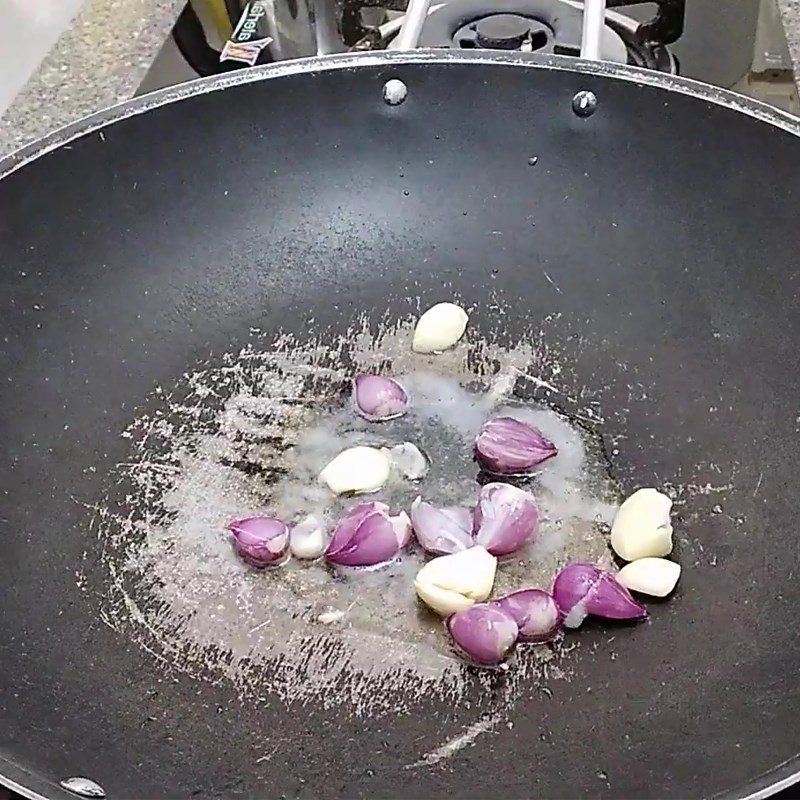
790,13
99,60
103,56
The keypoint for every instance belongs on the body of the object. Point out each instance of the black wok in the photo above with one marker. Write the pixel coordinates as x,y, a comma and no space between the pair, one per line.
660,238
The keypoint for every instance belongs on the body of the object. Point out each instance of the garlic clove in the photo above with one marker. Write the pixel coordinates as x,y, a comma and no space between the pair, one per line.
654,576
409,459
307,539
454,582
357,470
470,572
442,601
642,526
330,617
439,328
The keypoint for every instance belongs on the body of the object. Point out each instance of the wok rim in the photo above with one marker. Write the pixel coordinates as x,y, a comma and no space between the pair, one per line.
36,787
748,106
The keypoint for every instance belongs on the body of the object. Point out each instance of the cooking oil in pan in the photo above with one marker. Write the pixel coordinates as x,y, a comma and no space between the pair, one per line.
251,436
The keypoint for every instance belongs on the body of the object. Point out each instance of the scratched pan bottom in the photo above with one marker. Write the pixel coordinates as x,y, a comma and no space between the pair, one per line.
657,316
250,435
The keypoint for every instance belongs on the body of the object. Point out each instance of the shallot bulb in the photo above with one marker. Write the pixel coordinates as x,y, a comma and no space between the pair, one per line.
377,398
368,535
261,541
536,613
505,519
507,446
484,633
581,589
441,530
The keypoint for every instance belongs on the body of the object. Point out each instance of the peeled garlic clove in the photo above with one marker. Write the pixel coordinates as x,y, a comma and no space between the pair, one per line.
307,539
439,328
654,576
368,535
454,582
357,470
260,541
443,601
506,518
484,633
642,526
330,617
507,446
408,458
377,398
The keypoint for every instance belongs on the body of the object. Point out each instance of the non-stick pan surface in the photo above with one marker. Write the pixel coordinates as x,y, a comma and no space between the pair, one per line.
659,237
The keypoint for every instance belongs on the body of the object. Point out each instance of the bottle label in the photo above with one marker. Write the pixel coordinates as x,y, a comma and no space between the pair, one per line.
249,37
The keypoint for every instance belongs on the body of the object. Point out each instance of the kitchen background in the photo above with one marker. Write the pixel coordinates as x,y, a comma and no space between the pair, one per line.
63,59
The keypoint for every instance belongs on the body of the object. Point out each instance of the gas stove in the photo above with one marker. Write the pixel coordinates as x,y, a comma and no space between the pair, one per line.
737,45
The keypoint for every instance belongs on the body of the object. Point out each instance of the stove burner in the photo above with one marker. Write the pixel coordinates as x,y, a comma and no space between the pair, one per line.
546,26
504,32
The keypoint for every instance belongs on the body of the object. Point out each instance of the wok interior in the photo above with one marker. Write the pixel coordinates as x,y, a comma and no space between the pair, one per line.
655,260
